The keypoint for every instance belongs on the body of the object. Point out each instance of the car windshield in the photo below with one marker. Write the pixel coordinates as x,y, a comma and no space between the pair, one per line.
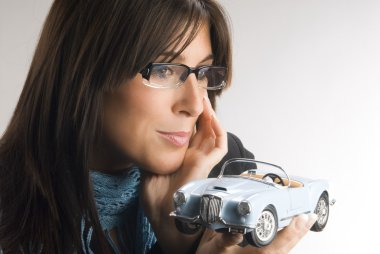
256,170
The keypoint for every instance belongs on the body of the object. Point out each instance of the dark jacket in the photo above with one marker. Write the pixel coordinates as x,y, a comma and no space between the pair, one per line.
235,150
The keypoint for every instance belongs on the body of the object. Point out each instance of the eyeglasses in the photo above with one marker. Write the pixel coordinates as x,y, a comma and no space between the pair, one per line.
168,75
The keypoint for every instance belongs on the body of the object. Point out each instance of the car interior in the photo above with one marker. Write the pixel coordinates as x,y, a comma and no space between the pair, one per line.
272,178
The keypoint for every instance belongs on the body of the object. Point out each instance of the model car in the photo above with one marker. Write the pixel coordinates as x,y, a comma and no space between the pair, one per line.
256,203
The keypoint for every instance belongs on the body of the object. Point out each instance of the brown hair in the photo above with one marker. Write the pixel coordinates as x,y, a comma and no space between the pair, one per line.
86,48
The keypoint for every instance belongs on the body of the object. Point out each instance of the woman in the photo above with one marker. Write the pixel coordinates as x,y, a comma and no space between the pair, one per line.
111,121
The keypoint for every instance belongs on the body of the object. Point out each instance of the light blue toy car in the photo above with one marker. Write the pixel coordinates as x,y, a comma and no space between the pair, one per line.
255,203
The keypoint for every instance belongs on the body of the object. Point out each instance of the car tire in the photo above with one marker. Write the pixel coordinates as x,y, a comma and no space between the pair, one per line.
322,211
266,229
187,228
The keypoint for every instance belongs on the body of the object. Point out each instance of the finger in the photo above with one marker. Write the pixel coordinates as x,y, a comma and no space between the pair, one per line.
196,140
208,107
226,240
206,116
310,218
292,234
220,134
204,129
217,143
201,136
207,145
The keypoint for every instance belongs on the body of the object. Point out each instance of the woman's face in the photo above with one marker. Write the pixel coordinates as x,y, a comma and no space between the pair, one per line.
152,127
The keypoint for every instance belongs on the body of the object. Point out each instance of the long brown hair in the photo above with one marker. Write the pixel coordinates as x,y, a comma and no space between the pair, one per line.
86,48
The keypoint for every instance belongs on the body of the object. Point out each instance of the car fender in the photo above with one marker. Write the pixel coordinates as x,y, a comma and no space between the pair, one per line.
316,188
275,198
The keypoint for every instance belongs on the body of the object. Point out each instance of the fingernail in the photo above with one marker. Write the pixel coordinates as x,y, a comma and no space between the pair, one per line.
208,100
304,218
312,219
214,116
209,104
301,221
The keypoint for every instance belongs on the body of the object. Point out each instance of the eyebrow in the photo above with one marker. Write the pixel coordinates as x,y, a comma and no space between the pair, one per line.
181,58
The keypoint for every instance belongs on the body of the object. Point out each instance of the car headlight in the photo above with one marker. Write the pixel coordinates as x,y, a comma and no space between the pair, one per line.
179,198
244,208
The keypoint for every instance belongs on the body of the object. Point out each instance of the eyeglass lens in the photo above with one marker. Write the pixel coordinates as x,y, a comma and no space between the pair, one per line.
209,77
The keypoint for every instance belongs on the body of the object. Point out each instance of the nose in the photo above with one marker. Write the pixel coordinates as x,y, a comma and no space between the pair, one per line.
190,100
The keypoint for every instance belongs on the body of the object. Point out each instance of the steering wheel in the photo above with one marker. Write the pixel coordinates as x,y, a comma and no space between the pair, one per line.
274,177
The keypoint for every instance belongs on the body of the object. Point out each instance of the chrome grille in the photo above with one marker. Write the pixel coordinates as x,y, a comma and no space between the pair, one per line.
210,208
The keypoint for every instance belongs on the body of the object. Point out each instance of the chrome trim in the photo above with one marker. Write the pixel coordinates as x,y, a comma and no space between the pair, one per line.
278,186
297,214
238,230
252,161
185,218
231,225
322,211
210,208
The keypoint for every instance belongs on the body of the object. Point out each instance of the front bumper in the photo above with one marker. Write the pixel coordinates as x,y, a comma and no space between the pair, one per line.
218,225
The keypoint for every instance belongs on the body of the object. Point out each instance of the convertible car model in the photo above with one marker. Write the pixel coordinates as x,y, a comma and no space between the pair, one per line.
255,203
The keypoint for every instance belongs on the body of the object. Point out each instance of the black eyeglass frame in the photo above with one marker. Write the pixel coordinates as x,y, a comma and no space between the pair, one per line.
146,72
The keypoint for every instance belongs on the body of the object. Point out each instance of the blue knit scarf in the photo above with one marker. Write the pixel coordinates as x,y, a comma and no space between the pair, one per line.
117,201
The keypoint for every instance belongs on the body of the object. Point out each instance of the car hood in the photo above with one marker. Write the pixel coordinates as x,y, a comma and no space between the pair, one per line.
236,185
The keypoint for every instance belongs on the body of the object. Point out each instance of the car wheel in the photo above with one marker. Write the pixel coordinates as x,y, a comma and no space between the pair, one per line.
322,211
186,227
266,228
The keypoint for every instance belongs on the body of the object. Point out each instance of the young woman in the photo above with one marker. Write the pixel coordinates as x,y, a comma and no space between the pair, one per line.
116,114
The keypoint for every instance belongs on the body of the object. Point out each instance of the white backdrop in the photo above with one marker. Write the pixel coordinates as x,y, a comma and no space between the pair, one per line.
305,95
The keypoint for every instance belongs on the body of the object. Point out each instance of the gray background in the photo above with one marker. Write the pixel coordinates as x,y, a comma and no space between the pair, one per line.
305,95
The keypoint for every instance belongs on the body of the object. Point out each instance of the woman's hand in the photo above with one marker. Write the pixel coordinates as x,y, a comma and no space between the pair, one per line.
286,239
207,147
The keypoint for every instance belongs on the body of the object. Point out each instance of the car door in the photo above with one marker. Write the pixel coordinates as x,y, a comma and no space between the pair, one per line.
299,200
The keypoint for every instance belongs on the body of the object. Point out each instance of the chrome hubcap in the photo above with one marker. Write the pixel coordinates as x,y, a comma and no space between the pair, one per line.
265,226
322,211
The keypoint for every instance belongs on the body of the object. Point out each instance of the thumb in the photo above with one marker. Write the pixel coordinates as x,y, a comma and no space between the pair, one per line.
225,240
213,242
288,237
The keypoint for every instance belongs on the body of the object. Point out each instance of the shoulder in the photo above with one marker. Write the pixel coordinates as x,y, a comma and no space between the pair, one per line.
235,150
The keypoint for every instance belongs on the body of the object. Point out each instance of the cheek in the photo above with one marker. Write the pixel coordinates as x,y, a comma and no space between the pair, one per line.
131,123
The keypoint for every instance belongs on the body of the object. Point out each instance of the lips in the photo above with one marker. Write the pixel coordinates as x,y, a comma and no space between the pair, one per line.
179,138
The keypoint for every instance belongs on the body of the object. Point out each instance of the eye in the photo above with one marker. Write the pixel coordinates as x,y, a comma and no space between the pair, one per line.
162,72
202,74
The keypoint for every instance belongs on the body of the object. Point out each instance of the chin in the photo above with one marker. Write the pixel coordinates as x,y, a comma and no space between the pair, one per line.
164,165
